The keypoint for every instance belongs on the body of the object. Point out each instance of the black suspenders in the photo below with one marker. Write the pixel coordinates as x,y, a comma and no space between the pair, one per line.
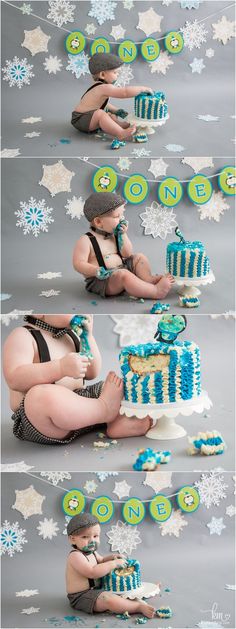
97,250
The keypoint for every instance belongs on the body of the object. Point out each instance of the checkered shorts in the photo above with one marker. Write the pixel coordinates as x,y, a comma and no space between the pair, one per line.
24,430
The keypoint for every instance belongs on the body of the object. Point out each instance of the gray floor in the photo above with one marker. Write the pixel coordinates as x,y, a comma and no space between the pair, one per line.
188,94
216,341
196,579
24,257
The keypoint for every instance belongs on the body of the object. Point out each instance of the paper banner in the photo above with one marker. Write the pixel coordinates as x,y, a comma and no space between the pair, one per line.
73,502
103,509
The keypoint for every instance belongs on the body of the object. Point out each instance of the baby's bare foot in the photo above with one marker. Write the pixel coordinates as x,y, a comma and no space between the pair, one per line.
156,279
146,610
111,395
127,133
163,287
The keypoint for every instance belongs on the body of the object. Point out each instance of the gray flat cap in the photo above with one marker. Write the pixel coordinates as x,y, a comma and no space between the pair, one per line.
80,521
104,61
98,203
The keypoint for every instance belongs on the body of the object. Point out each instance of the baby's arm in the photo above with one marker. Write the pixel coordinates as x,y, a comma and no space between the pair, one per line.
127,247
81,257
124,92
95,366
22,373
81,565
101,559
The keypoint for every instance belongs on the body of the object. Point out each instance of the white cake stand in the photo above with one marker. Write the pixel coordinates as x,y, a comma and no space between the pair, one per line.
145,591
166,428
189,287
147,126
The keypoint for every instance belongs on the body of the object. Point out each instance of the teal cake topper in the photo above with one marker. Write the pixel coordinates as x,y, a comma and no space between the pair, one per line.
77,325
179,234
169,327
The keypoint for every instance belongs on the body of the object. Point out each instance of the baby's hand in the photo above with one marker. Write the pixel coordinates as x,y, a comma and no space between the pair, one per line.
74,365
88,323
123,227
146,89
120,563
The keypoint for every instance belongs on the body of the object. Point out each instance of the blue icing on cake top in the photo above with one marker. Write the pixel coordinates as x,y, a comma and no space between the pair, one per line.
147,349
182,246
155,96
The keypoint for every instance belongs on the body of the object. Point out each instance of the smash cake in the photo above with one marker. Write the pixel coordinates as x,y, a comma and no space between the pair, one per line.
163,371
151,106
123,579
187,259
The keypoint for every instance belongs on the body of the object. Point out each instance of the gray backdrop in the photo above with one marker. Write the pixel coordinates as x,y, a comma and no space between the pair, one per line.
188,94
24,257
216,341
195,567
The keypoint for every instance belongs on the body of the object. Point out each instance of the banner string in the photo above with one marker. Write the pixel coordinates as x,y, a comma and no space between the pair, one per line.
111,41
87,161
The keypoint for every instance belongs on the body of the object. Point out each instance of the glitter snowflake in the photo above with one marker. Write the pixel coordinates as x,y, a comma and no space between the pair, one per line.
158,220
26,9
33,134
190,4
47,529
78,64
137,153
18,72
61,12
207,117
104,475
102,10
174,148
230,587
90,29
50,293
194,34
56,178
13,315
30,610
198,163
215,208
158,480
211,489
118,32
90,487
158,167
75,207
50,275
31,120
10,152
19,466
216,526
210,53
209,624
52,64
231,511
162,63
34,217
223,30
197,66
56,477
125,75
123,538
166,3
149,22
122,489
174,524
28,502
36,41
124,163
12,538
135,329
26,593
128,4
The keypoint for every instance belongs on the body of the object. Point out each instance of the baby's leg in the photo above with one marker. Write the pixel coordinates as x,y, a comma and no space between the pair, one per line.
123,279
103,120
122,124
124,426
107,601
143,270
55,410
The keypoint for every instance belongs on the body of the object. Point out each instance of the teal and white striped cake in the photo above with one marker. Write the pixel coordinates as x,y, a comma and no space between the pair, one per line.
161,372
150,106
123,579
187,259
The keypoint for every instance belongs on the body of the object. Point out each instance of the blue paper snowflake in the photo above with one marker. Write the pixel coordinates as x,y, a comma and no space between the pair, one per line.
18,72
190,4
102,10
12,538
34,217
78,64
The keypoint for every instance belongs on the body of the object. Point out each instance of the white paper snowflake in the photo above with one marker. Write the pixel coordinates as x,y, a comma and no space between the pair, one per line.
223,30
20,466
158,480
75,207
158,220
49,293
10,152
231,511
52,64
125,75
161,64
34,217
56,477
27,593
174,524
28,502
135,329
207,117
174,148
123,538
198,163
61,12
78,64
18,72
209,624
149,22
26,9
211,489
47,529
166,3
90,487
124,163
118,32
36,41
30,610
137,153
210,53
190,4
197,66
215,208
216,526
50,275
13,316
234,479
128,4
158,167
33,134
56,178
194,34
230,587
67,520
31,120
12,538
90,29
102,10
122,489
104,475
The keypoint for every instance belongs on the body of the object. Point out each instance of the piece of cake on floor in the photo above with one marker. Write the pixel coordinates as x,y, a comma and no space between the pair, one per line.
123,579
165,370
151,106
187,259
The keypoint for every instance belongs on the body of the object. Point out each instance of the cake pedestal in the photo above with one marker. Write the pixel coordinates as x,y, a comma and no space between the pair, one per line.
166,428
147,126
189,287
145,591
